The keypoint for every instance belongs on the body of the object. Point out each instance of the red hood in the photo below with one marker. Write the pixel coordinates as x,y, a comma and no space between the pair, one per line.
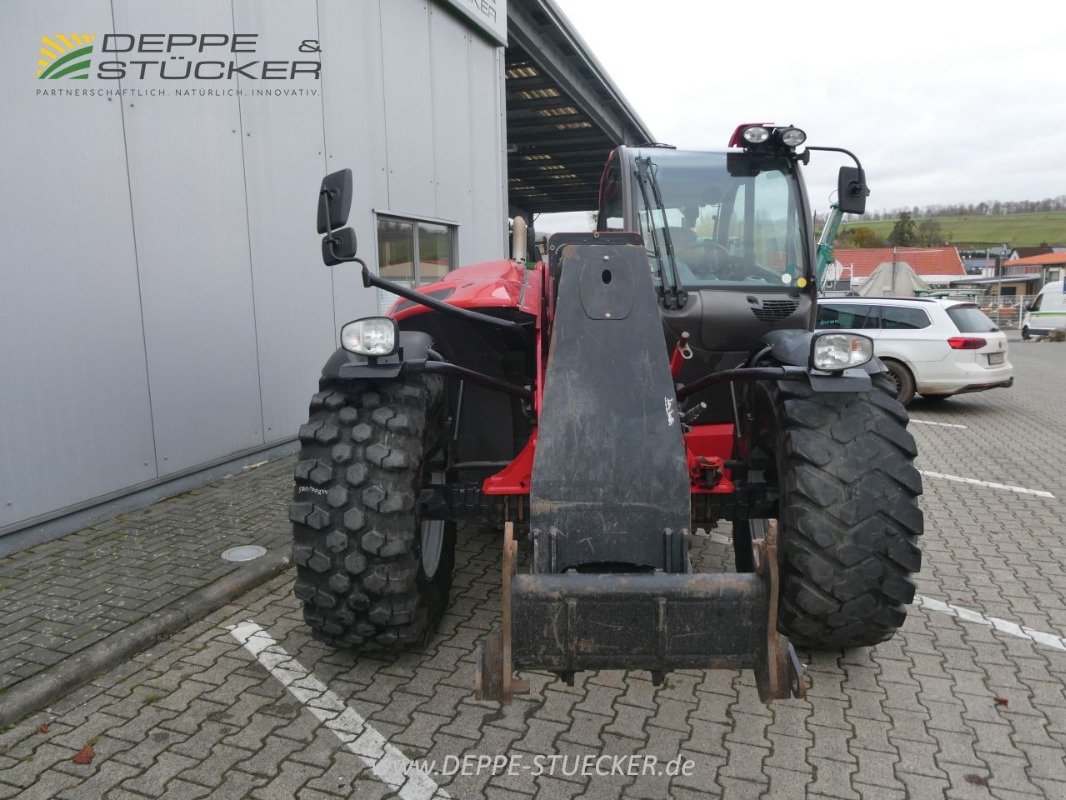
492,284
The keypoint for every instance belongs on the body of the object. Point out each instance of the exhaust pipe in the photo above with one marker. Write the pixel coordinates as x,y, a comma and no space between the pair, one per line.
518,239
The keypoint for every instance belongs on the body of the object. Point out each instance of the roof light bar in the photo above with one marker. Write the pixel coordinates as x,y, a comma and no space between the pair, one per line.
764,135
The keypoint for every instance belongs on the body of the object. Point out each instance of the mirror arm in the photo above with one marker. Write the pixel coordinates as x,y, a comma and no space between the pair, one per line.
370,280
848,153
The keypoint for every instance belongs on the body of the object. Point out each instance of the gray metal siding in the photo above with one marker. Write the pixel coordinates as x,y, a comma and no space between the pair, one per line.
75,420
354,119
409,117
162,304
196,277
450,47
488,171
283,165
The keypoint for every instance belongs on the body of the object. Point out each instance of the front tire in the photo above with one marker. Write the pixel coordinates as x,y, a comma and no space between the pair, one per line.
849,516
368,568
1025,332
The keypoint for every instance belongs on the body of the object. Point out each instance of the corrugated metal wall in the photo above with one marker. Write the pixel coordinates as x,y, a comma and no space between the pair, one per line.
162,303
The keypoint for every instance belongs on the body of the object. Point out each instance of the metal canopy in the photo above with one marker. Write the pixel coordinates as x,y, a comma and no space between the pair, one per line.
564,115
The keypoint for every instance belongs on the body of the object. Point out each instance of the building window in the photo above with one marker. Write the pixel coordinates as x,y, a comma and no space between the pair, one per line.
414,252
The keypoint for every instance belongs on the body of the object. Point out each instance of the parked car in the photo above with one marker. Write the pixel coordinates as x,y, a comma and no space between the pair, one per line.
933,347
1046,313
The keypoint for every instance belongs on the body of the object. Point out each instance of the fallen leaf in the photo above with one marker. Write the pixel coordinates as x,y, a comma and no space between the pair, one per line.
42,728
1002,701
977,780
85,755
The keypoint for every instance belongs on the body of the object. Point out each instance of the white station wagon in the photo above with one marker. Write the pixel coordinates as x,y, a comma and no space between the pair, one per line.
932,347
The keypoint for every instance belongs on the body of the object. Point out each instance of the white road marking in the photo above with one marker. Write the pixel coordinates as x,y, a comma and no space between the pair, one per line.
988,484
1006,626
386,761
938,424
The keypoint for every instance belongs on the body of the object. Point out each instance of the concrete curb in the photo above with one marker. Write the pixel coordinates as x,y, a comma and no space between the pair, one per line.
73,672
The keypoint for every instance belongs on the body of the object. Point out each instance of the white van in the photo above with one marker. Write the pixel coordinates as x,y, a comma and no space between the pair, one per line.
1045,313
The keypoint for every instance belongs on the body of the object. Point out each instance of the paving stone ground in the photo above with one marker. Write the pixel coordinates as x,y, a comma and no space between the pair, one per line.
62,596
949,708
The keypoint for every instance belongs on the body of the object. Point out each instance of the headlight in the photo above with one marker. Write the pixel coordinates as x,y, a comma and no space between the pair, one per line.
832,352
756,134
792,137
370,336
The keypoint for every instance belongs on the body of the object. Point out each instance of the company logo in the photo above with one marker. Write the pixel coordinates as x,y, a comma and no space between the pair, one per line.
65,55
178,65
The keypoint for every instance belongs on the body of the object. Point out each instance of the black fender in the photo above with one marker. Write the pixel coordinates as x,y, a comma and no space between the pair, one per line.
793,348
414,346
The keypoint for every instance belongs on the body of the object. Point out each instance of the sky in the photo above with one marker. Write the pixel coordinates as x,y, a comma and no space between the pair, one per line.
943,102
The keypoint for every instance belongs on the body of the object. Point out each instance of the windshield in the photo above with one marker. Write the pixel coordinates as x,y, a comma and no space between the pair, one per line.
740,230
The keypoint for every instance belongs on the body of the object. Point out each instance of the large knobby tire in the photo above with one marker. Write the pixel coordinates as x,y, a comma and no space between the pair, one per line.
849,514
357,535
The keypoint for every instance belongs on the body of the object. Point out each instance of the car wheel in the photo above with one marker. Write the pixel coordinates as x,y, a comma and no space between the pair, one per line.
903,379
1025,332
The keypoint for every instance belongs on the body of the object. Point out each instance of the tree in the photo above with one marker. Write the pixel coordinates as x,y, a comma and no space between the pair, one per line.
859,236
903,234
929,233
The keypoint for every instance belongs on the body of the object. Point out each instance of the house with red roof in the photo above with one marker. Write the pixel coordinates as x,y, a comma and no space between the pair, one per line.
1050,264
935,265
1032,272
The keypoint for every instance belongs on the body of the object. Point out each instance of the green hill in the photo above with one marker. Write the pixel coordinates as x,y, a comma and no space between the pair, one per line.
1016,230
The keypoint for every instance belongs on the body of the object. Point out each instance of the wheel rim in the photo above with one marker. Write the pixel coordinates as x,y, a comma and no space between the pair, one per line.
432,538
899,384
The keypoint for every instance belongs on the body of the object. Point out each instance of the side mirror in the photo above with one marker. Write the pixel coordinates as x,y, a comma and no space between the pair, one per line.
1027,307
338,247
334,201
852,190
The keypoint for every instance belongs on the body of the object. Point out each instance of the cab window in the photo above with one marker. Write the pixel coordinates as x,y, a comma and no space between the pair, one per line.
611,202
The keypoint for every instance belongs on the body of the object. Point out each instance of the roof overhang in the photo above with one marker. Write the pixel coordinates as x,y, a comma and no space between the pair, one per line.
564,115
995,281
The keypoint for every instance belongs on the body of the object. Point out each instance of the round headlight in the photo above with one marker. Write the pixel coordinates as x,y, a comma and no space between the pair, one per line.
371,336
793,137
756,134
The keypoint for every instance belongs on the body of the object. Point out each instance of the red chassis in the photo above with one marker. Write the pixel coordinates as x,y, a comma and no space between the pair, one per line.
509,284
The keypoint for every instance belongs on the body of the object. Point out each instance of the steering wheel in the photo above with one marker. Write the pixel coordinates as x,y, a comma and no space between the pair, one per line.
715,257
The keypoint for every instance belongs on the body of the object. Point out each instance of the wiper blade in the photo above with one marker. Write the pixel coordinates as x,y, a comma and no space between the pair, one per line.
675,296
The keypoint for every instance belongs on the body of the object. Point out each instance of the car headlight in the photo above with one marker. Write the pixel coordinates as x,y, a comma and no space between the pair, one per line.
370,336
832,352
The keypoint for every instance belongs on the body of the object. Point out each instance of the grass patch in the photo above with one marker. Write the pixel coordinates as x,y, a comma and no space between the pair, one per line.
1016,230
